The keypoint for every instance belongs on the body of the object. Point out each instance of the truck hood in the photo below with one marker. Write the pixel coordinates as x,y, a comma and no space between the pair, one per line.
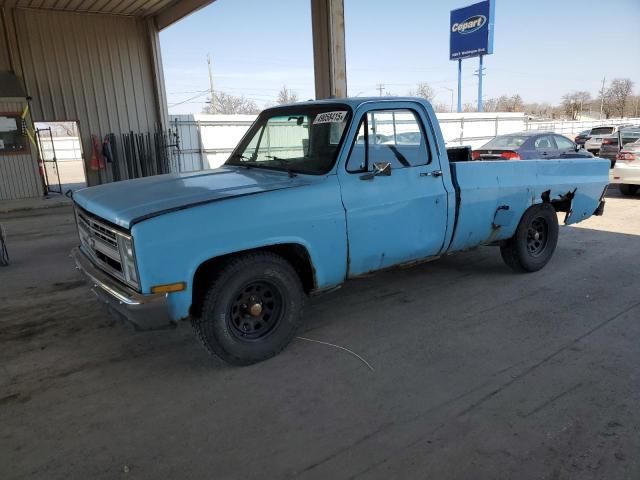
130,201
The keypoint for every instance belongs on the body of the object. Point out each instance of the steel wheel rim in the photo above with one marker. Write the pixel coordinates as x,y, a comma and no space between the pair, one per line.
537,236
255,310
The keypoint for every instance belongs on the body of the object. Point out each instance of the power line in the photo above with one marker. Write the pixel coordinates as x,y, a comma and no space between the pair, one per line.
202,94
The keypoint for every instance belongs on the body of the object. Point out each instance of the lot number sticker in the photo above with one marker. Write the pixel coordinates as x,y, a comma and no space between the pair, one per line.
330,117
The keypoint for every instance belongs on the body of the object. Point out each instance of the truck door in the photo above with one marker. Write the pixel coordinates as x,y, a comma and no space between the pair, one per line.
392,191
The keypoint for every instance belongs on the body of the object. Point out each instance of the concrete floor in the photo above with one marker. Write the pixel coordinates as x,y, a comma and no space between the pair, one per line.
479,373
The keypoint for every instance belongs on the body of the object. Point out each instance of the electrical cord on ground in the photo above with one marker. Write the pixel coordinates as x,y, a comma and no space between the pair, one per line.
4,254
351,352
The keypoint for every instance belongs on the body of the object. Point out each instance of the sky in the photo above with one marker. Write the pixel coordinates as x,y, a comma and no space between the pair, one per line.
542,49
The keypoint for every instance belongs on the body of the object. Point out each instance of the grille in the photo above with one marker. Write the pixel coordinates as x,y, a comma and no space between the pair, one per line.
101,242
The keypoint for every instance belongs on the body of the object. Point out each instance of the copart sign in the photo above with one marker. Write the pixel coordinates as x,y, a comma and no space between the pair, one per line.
471,31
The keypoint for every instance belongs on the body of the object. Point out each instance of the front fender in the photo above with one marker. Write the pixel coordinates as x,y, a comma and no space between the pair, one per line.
171,247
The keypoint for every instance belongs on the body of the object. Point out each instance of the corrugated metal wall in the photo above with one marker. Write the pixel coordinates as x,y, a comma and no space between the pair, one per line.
19,177
5,61
97,70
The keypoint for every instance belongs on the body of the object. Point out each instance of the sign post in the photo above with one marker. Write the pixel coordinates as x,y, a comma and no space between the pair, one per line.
480,75
459,85
471,35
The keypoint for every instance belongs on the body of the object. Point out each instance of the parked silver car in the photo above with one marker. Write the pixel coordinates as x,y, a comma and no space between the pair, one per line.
597,134
626,172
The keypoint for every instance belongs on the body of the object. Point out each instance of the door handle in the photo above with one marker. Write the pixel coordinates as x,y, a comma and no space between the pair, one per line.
435,173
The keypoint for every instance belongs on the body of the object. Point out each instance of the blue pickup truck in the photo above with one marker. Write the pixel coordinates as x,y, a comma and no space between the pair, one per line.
314,194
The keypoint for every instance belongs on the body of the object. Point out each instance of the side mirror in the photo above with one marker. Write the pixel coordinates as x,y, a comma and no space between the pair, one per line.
382,169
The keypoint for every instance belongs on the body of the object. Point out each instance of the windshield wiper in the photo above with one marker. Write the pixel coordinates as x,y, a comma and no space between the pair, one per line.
239,155
277,159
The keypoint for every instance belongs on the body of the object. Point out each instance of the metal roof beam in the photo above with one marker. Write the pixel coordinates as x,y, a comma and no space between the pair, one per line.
178,10
329,60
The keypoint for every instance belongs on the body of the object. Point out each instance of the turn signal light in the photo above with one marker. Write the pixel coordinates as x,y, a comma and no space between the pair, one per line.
169,288
510,156
475,155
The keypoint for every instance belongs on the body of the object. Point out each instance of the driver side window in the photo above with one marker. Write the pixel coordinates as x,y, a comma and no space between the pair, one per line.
388,136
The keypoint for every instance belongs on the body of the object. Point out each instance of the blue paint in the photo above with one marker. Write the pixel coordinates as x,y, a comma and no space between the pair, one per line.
348,226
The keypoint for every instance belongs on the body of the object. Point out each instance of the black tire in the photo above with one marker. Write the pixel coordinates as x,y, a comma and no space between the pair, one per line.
231,326
627,189
535,240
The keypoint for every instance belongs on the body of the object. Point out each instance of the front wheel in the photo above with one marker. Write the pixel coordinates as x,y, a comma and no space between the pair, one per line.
535,240
251,310
627,189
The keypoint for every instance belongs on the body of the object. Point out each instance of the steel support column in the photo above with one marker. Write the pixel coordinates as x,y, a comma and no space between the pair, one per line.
329,60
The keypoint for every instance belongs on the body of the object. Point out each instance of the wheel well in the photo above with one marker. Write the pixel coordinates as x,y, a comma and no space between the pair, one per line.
294,253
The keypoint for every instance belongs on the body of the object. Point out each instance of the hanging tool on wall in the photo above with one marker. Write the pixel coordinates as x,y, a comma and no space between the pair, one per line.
110,152
4,254
97,160
25,125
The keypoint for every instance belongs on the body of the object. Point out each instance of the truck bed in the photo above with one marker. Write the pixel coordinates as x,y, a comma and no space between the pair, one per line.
492,196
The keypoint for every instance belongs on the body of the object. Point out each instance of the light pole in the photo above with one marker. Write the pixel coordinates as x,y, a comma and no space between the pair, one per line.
451,90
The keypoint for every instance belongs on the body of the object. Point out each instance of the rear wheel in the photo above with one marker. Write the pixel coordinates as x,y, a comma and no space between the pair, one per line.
627,189
251,310
535,240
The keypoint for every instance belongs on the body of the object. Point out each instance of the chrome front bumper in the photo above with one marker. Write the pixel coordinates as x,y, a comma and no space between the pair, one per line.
145,312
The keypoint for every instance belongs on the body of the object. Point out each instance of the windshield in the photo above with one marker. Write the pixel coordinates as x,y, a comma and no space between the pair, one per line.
301,139
506,141
602,131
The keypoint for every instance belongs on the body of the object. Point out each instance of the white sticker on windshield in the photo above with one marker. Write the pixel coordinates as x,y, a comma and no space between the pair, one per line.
330,117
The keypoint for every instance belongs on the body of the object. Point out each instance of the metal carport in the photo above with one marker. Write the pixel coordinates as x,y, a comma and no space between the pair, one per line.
98,63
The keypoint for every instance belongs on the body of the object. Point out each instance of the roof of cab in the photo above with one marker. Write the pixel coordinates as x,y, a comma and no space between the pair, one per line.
355,102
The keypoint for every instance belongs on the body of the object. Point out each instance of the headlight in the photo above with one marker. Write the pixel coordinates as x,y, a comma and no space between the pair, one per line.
127,254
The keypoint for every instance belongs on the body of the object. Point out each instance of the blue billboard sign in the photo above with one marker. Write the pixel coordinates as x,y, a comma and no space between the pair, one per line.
471,31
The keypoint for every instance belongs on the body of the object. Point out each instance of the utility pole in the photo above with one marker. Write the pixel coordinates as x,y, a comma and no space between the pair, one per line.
380,87
602,97
211,92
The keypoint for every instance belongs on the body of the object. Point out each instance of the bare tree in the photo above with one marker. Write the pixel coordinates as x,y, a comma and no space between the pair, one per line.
227,104
442,108
469,107
490,105
423,90
504,103
286,96
633,103
573,103
543,110
618,93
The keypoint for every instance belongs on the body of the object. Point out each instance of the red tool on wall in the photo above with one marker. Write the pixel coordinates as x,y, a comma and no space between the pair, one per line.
97,160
